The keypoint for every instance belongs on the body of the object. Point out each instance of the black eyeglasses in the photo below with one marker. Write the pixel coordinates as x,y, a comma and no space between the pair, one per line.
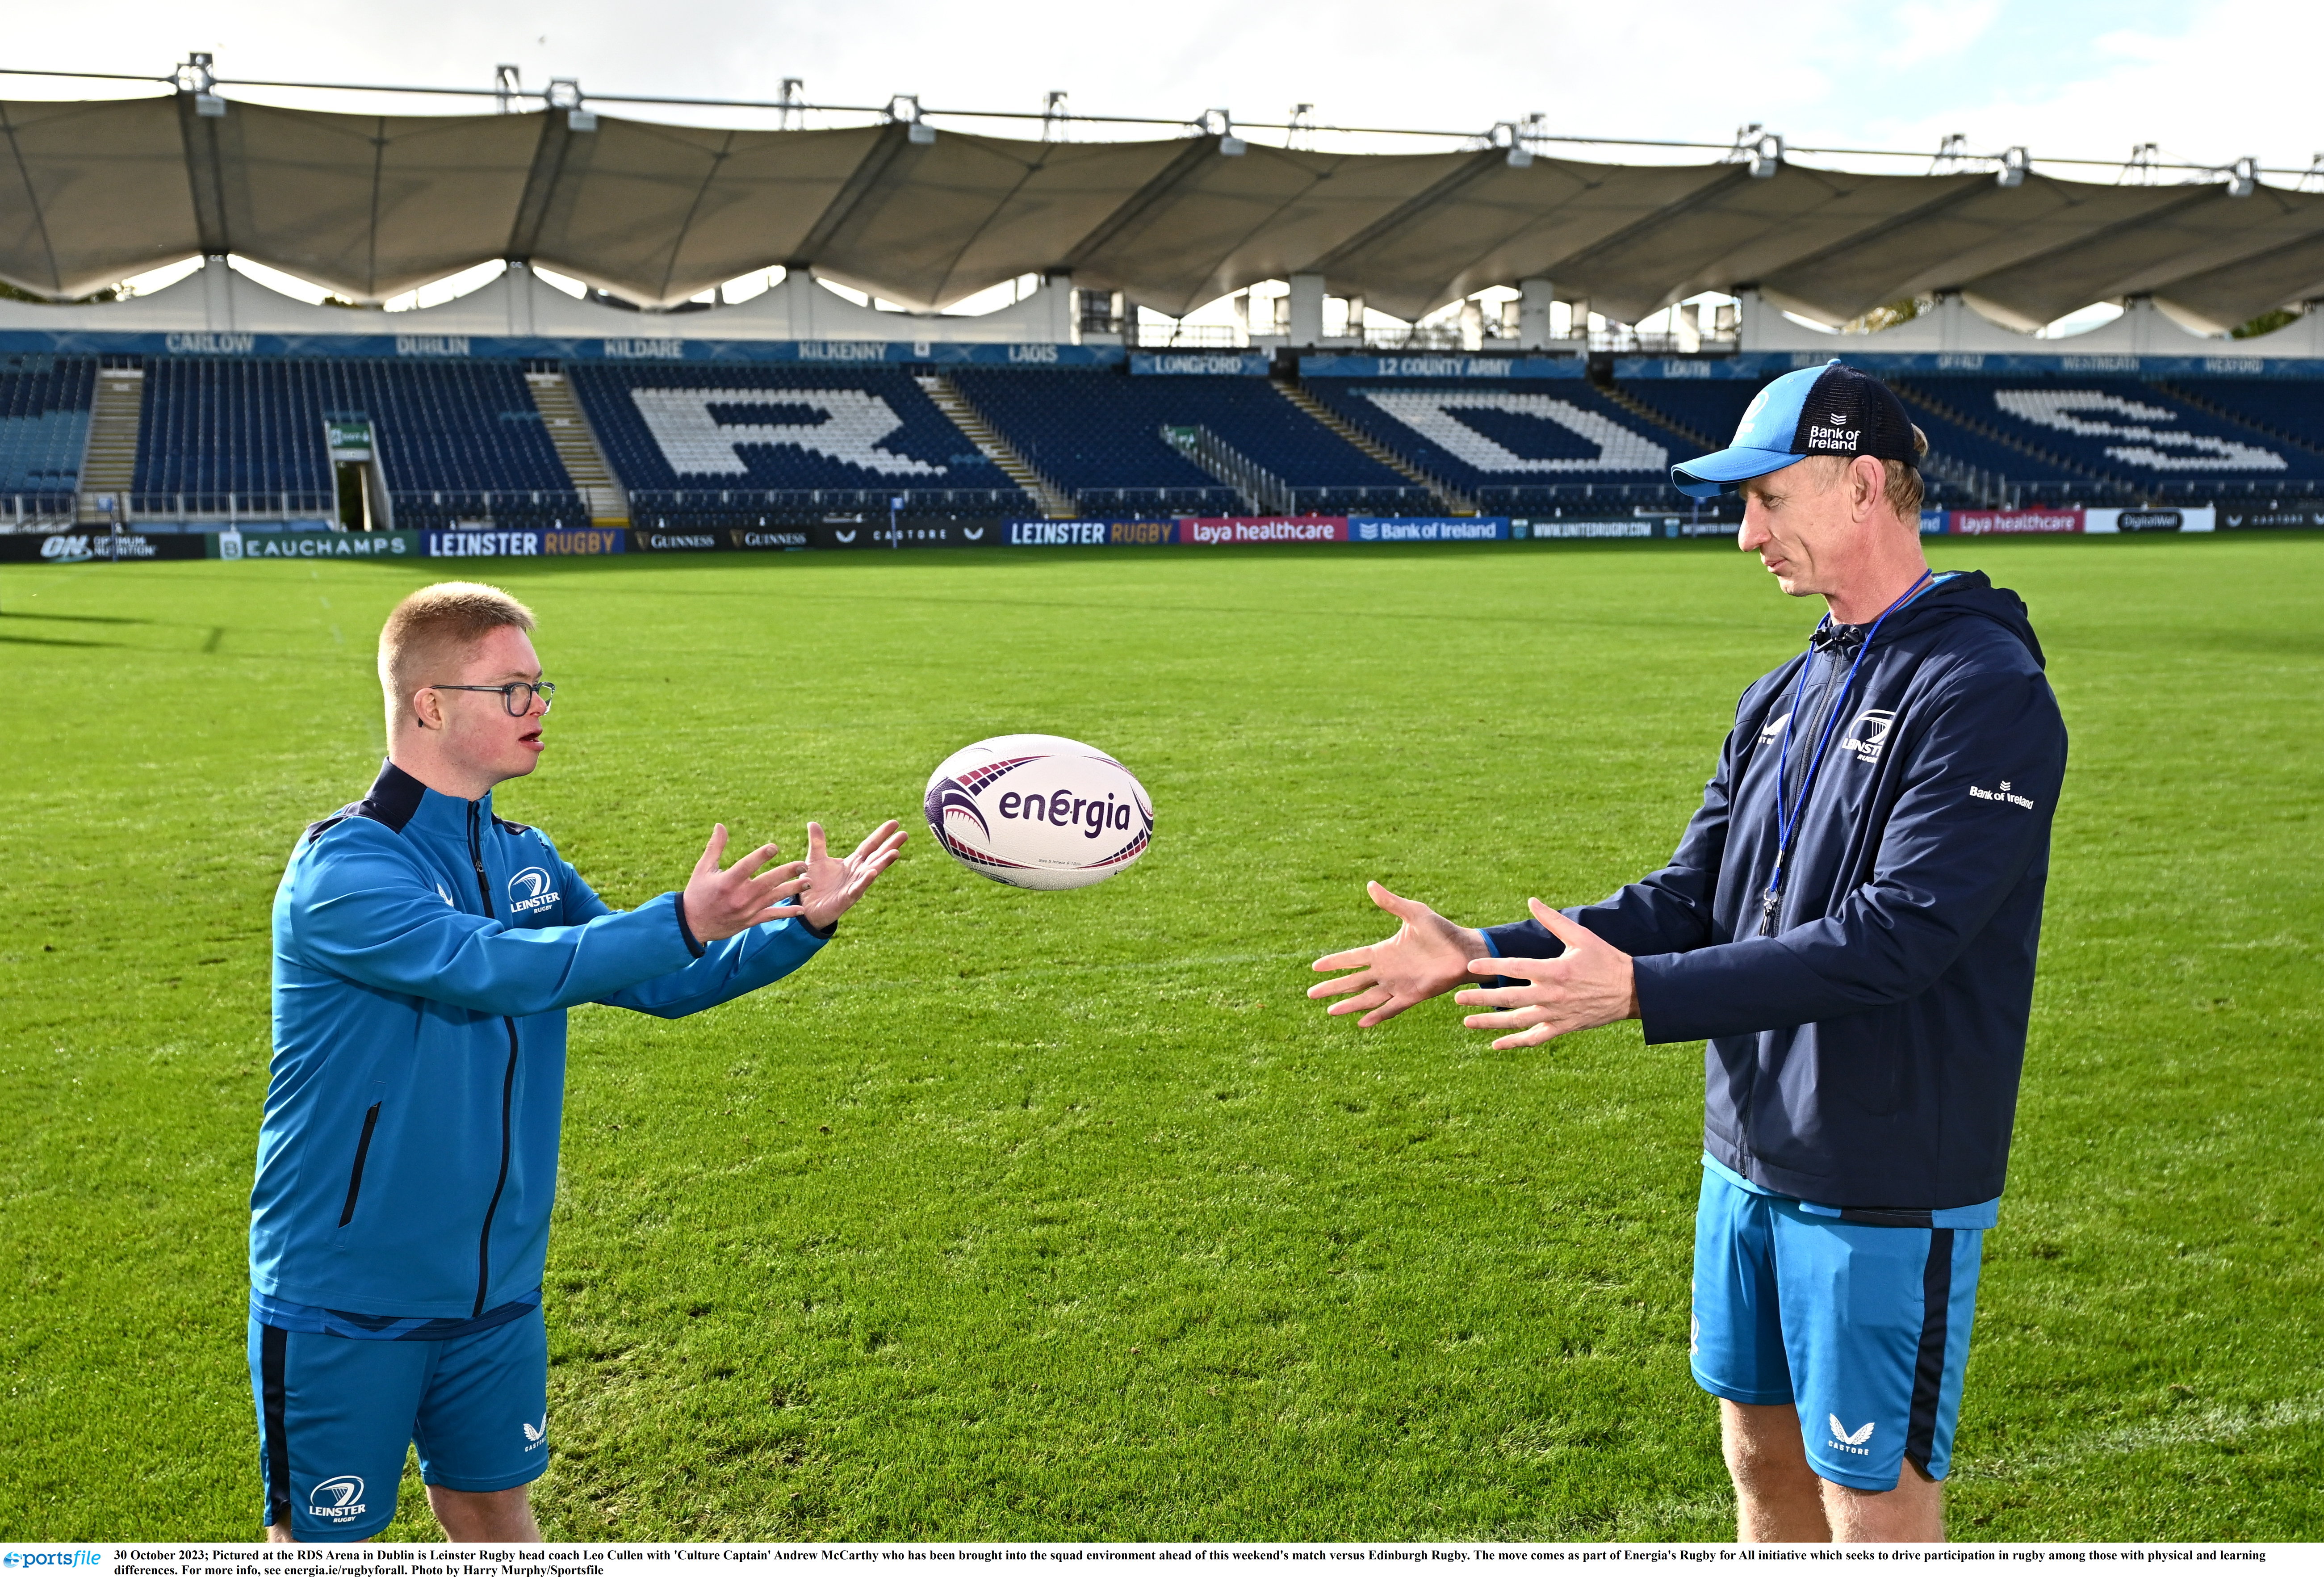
517,697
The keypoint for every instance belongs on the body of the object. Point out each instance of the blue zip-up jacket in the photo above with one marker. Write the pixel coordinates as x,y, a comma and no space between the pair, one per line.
1867,1053
425,953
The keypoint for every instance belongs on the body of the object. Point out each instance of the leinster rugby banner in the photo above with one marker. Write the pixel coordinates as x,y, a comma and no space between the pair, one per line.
1089,533
486,542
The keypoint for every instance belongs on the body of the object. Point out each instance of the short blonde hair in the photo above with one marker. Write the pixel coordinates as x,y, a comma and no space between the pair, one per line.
439,624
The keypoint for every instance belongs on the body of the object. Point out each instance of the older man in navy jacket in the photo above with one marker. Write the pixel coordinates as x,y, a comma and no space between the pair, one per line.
1851,921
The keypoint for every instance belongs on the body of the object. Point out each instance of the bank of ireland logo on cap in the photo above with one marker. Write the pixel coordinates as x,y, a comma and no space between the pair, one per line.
1831,410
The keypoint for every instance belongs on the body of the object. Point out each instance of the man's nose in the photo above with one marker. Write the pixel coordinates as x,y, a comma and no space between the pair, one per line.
1753,534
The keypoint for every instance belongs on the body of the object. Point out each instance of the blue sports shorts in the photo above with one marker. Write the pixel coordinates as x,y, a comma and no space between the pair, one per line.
1864,1329
334,1415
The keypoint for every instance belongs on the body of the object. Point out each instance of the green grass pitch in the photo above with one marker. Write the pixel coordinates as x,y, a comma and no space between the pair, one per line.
1064,1215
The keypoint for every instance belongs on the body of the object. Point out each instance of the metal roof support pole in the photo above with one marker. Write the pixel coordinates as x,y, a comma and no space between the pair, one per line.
1057,292
1306,310
1533,299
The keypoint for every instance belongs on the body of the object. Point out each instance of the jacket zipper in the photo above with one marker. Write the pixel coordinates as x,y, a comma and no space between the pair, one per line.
508,1079
362,1149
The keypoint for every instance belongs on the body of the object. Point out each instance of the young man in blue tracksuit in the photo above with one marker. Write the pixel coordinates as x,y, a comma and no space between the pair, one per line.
425,953
1850,921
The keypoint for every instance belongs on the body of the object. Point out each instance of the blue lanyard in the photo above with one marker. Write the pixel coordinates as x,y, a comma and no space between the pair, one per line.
1787,819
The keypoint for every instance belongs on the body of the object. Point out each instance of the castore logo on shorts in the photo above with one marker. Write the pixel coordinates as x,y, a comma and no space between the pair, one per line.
530,889
1851,1442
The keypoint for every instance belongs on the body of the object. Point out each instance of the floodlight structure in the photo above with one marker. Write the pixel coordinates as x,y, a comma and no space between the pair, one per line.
1951,153
195,76
2243,177
2014,164
1220,124
508,87
565,93
1056,120
791,116
906,108
1506,135
1761,149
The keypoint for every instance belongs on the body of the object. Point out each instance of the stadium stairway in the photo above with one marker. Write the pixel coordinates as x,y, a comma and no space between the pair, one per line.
110,465
1453,500
1646,412
576,446
1056,505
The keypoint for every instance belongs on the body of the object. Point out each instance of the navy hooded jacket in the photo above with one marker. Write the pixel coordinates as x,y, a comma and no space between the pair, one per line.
1867,1053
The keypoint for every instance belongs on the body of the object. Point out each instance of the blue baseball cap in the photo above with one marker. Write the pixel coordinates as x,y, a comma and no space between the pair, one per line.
1830,409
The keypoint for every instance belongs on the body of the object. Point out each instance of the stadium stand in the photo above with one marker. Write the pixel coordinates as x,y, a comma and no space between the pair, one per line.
44,409
1707,410
456,440
2108,439
1514,446
735,446
1100,437
2285,409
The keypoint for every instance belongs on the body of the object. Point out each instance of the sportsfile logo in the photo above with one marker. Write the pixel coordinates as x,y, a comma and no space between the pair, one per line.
530,889
1869,735
14,1559
338,1499
1851,1442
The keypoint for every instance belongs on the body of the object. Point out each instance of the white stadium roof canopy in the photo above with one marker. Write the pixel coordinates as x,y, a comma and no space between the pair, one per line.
370,205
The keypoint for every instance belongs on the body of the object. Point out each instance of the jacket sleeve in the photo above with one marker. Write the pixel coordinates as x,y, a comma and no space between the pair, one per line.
362,909
1669,911
719,972
1972,817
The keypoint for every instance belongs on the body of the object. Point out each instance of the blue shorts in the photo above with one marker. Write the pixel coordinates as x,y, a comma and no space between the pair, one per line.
1864,1329
336,1414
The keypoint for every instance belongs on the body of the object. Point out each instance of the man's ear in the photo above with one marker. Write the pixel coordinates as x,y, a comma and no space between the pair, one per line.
428,707
1867,484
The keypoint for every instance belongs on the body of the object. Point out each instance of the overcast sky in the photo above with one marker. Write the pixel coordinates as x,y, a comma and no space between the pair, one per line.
2210,81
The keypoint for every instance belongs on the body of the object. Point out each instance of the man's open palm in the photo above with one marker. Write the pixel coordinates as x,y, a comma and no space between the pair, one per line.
1427,957
833,884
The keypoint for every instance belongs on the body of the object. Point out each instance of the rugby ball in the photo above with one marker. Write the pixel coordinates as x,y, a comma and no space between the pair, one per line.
1034,810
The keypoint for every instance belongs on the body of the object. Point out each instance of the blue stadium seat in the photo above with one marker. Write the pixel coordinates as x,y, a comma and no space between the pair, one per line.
1515,445
455,440
747,443
2282,407
2104,437
45,406
1711,407
1099,436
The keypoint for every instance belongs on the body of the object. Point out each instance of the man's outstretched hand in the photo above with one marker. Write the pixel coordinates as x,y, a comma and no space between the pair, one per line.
1427,957
820,888
833,885
1590,985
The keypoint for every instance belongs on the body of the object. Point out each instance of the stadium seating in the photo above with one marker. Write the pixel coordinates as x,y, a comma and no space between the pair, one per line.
2282,408
747,443
44,405
2109,438
455,440
1514,446
1099,436
1710,408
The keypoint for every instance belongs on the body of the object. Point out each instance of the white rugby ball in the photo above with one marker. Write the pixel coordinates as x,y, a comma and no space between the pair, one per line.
1035,810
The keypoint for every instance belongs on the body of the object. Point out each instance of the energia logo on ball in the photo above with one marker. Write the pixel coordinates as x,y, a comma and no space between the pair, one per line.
1037,811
